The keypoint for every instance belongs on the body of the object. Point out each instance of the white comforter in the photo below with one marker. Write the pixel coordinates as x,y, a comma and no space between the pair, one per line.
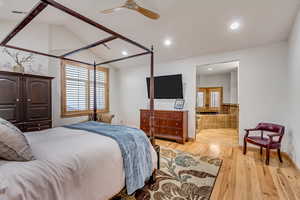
70,165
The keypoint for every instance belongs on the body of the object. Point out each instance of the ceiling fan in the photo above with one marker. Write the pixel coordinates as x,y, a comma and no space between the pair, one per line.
132,5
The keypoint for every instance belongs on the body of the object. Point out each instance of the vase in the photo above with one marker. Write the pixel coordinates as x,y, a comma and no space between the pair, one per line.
19,68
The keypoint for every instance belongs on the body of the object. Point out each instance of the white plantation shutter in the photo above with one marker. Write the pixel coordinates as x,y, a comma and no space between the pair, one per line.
101,90
78,86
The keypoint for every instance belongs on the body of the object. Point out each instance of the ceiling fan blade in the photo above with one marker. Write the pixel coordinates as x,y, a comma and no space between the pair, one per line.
112,10
147,13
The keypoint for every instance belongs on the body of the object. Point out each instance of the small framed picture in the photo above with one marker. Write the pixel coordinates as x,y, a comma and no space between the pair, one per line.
179,104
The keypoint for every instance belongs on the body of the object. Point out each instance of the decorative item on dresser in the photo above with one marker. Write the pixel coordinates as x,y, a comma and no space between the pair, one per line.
172,125
27,100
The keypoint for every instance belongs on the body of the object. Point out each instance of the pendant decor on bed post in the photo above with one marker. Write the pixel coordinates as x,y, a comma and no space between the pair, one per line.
152,136
95,93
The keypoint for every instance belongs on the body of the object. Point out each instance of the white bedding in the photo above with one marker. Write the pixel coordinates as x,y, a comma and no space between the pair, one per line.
71,165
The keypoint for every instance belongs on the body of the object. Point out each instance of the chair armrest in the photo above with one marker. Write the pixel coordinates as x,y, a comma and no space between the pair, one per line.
273,135
249,130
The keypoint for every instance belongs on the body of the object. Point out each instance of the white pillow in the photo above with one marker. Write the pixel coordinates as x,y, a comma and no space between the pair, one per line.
13,144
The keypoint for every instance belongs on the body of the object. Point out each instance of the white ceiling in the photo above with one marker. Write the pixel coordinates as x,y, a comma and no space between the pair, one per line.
196,27
218,68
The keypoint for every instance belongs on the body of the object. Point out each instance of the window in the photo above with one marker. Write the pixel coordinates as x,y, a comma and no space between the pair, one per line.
78,89
214,99
200,99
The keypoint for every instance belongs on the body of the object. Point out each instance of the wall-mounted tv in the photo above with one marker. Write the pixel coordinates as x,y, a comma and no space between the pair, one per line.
167,87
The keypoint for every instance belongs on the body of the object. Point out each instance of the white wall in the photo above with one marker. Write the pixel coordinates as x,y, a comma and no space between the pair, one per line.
262,81
217,80
25,38
234,85
294,92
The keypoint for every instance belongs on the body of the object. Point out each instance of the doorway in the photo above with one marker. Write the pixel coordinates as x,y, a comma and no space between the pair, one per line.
217,103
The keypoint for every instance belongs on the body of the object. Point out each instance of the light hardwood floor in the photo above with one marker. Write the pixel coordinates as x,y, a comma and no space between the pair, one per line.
243,177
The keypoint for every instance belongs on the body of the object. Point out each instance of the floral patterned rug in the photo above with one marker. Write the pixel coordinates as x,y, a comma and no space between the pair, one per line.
182,176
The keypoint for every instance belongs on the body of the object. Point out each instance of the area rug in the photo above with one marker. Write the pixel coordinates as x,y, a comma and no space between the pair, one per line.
182,176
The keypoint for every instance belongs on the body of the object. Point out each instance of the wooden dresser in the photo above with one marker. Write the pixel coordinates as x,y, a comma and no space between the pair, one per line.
25,100
172,125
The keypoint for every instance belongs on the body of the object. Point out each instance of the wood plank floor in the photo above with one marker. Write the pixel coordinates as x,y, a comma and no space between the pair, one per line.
243,177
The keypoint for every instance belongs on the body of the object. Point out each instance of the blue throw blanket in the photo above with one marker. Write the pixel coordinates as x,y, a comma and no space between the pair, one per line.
135,149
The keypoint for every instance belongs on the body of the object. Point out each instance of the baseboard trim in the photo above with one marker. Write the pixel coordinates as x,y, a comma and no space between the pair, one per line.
287,156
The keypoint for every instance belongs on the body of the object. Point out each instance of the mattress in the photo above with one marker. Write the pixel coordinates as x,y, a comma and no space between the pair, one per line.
70,165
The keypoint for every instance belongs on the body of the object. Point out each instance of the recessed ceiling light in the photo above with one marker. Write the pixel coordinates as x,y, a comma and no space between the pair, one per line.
210,69
235,26
124,53
167,42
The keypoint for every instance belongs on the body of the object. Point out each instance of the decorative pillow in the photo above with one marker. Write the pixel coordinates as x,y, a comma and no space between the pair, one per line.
107,118
13,144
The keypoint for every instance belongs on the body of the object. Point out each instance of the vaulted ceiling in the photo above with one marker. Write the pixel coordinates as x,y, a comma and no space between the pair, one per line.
196,27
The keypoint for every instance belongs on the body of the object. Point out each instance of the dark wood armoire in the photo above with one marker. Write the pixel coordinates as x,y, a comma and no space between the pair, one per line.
25,100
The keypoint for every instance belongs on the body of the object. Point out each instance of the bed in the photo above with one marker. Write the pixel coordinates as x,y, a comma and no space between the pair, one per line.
71,165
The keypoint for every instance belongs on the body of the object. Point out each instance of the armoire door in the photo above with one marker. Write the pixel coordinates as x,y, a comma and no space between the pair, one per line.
38,99
10,98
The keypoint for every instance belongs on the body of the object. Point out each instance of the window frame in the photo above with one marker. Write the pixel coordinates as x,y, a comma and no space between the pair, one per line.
64,112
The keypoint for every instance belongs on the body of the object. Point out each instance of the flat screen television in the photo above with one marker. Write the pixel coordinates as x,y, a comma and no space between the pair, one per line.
167,87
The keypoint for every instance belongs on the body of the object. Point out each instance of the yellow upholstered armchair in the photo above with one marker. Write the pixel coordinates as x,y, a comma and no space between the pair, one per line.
103,117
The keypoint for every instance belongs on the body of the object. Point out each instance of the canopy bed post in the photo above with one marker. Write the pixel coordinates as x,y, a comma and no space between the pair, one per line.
95,92
152,137
152,132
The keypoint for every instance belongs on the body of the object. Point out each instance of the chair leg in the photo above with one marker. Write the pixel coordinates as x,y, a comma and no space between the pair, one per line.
245,147
261,150
268,156
279,155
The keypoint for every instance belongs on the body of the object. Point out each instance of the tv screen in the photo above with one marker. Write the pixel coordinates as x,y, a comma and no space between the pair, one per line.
167,87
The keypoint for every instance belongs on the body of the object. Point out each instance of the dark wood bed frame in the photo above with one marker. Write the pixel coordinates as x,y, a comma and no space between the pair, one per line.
41,5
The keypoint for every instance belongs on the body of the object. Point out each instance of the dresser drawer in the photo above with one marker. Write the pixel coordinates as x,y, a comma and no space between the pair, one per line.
37,126
145,128
170,123
177,115
175,123
170,131
144,120
168,115
145,114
